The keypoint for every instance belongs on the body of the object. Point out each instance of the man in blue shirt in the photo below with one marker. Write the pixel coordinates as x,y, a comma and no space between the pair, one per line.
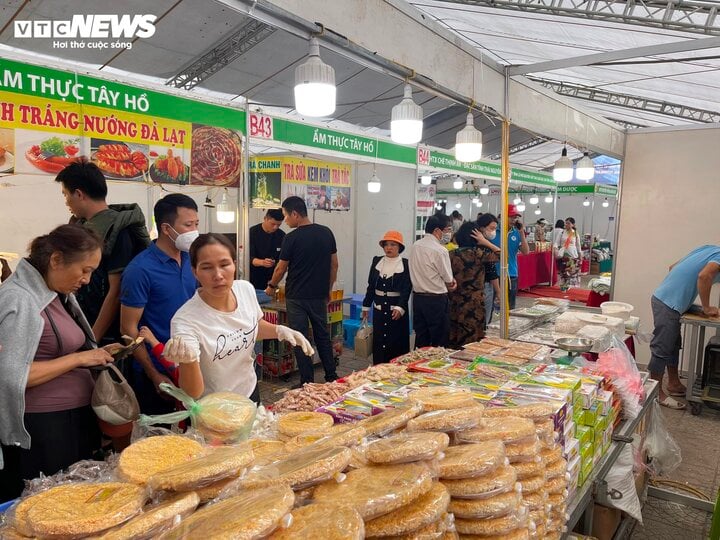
692,275
517,242
154,286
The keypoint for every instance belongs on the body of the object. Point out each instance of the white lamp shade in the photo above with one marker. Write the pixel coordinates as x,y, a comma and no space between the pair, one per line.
374,184
315,90
605,203
517,200
585,168
534,199
586,202
521,207
426,179
224,212
475,200
458,184
458,205
549,199
479,204
563,170
538,211
406,121
484,190
468,142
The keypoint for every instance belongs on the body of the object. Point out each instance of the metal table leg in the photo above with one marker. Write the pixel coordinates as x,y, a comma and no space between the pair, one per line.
694,368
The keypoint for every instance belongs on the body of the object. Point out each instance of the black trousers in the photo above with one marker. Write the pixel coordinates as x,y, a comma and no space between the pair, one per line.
431,320
58,439
301,314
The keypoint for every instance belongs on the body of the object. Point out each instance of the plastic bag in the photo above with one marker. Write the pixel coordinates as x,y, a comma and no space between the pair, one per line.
620,478
661,448
364,341
618,365
113,400
222,417
407,447
469,460
493,507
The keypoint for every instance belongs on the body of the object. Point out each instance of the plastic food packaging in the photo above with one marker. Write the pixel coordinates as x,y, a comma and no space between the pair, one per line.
436,398
222,417
447,420
252,514
266,447
217,489
532,484
507,429
536,501
407,447
421,512
470,460
300,469
221,462
526,450
494,507
146,457
390,420
323,520
156,519
380,489
75,510
295,423
435,531
337,435
618,365
495,526
662,449
503,480
526,469
551,455
556,485
518,534
545,430
558,468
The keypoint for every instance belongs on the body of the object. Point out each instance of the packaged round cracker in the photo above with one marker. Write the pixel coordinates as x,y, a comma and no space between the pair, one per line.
220,463
552,454
494,526
556,486
556,500
421,512
525,450
294,423
535,501
435,398
447,420
146,457
378,489
323,521
217,489
506,429
553,470
337,435
502,480
492,507
79,509
532,483
545,430
251,514
527,468
533,411
155,519
390,420
518,534
407,447
434,531
266,447
300,469
470,460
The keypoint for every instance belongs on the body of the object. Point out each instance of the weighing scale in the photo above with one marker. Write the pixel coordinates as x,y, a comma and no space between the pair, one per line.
574,347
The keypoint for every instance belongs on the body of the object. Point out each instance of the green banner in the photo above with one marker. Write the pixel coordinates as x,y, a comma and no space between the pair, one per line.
570,189
339,141
609,191
441,160
532,177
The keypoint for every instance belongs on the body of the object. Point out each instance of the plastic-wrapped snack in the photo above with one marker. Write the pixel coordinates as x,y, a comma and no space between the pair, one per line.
436,398
450,535
556,500
337,435
434,531
526,450
222,462
545,430
470,460
533,411
407,447
323,520
526,469
551,455
502,480
300,469
522,533
421,512
379,489
266,447
540,521
156,519
10,533
558,468
216,489
556,486
251,514
506,429
76,510
536,501
222,417
493,507
532,484
146,457
390,420
495,526
447,420
295,423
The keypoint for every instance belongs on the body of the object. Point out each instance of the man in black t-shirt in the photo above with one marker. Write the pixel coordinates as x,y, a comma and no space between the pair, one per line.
309,255
266,238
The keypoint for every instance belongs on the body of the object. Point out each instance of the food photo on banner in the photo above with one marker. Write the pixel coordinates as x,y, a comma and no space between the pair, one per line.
265,183
322,185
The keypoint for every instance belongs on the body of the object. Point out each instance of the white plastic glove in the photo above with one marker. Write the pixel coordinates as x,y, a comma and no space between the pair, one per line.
179,351
294,338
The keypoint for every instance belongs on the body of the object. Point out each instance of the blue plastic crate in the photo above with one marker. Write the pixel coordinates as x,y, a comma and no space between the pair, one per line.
350,328
4,507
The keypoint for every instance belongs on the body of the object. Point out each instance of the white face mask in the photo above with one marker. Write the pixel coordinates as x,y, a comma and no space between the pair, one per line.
184,240
446,237
490,235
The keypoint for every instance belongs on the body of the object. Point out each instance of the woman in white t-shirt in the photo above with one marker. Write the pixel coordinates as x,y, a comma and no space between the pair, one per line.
569,256
214,333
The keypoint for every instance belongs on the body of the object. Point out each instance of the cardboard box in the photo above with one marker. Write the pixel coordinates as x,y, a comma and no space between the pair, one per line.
585,473
572,450
507,398
588,393
534,389
585,435
604,400
573,469
587,454
605,522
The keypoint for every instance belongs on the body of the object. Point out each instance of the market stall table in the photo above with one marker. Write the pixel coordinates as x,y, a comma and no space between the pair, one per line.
695,392
535,268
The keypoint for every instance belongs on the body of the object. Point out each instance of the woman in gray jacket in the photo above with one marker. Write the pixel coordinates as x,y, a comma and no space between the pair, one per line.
46,422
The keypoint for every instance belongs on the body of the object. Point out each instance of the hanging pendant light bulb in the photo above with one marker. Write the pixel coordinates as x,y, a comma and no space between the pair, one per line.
549,199
374,184
315,90
475,200
426,179
468,142
438,206
605,203
586,202
479,204
223,211
563,170
406,122
458,206
458,183
538,211
534,199
585,168
520,206
484,189
517,200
